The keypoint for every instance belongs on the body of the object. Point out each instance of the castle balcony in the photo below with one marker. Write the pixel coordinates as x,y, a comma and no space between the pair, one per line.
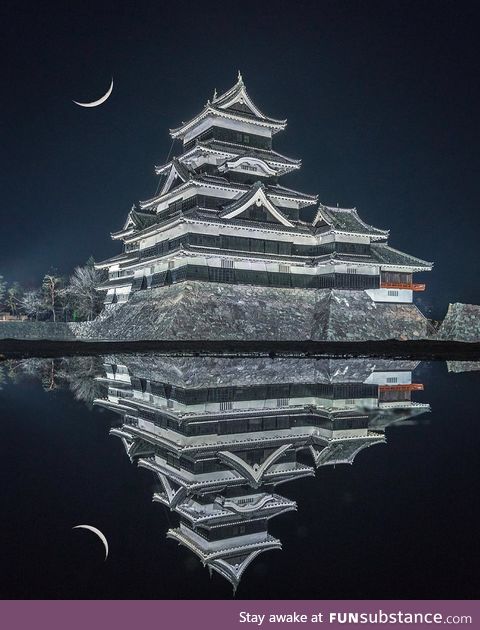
411,286
408,387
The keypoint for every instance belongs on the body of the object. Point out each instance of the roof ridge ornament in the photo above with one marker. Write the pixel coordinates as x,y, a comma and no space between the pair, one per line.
240,78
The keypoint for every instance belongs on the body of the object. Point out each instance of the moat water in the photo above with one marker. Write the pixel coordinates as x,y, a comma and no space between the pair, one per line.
380,459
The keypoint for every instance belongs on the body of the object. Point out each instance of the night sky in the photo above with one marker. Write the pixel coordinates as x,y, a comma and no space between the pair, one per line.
382,101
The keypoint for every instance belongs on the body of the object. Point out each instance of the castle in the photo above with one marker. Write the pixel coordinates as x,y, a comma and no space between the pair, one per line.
221,217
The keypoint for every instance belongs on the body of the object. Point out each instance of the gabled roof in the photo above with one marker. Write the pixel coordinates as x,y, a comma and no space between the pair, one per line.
230,561
343,451
142,220
233,569
210,217
253,474
389,256
345,220
177,171
137,219
234,104
222,183
172,493
256,195
237,99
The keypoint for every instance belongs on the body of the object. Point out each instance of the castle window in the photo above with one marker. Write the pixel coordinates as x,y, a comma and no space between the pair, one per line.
393,293
226,405
284,268
392,379
351,270
227,264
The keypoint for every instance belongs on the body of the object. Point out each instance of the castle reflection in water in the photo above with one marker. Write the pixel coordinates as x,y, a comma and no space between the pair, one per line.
222,434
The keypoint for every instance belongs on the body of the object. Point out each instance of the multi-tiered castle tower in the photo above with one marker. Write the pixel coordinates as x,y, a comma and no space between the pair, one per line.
221,215
222,435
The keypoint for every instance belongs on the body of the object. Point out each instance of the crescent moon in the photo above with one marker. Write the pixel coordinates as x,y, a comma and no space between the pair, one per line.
100,100
98,533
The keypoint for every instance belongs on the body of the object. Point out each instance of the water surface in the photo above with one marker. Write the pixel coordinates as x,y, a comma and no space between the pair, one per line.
274,478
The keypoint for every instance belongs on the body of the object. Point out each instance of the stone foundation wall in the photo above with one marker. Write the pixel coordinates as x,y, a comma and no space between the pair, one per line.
211,311
205,371
55,331
461,323
214,311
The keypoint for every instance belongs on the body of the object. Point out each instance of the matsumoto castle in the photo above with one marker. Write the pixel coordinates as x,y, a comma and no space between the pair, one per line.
222,435
221,215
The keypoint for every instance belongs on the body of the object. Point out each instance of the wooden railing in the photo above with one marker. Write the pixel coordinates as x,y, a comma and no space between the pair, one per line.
409,387
402,285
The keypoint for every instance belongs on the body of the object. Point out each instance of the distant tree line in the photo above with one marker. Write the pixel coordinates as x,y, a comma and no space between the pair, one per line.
58,298
76,373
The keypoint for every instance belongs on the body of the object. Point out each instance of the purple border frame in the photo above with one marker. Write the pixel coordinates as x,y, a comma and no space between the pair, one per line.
223,615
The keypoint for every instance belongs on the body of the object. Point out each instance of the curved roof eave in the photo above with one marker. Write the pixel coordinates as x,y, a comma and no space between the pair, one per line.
274,125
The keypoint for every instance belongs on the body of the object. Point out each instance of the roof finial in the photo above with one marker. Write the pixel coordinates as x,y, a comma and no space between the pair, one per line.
240,78
215,94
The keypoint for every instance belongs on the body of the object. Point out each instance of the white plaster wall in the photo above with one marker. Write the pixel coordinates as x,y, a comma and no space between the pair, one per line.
403,377
219,121
405,296
367,270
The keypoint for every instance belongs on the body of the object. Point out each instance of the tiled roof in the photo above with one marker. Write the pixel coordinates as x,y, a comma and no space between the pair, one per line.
250,194
143,220
389,256
212,217
119,258
235,103
345,220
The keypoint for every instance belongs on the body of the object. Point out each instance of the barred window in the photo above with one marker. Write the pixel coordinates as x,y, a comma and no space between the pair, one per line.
227,264
393,293
392,379
284,268
351,270
226,405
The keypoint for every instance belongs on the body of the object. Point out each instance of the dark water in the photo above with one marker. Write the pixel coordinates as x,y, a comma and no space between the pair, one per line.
400,522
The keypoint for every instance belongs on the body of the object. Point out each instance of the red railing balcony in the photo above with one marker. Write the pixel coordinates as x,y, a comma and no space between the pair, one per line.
402,285
409,387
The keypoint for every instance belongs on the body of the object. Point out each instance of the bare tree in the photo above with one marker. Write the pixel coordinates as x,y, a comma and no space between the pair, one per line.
52,286
14,296
82,290
44,370
76,373
32,303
